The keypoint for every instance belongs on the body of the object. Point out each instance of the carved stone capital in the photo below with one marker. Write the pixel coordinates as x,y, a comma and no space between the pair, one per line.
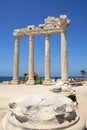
47,36
31,37
63,21
17,38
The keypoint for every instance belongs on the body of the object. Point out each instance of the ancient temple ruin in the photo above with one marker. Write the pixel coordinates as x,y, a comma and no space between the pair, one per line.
51,26
55,108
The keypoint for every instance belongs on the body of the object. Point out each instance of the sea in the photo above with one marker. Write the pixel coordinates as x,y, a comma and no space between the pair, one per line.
9,78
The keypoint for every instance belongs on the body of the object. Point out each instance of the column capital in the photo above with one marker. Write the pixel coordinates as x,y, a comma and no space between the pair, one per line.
17,37
47,35
64,29
31,37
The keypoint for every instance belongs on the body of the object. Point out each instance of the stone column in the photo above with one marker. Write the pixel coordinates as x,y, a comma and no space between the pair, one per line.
31,60
64,57
16,61
47,60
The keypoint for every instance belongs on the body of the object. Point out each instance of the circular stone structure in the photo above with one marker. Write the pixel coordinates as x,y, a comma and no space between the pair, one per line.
45,111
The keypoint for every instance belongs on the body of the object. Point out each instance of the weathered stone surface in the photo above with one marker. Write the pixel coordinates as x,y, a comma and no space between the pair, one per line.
61,86
45,111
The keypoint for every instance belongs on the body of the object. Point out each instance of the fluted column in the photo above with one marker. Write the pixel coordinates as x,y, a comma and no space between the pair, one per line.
16,61
47,60
31,60
64,57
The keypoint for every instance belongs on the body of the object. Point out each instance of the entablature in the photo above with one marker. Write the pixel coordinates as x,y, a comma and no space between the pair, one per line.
51,25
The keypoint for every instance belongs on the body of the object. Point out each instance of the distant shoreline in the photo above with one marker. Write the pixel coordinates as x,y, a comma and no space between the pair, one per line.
9,78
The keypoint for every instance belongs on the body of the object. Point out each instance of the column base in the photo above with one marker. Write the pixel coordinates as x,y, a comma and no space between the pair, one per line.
47,82
30,82
14,81
64,80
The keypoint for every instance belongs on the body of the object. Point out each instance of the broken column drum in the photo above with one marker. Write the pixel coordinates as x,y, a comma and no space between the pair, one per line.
42,112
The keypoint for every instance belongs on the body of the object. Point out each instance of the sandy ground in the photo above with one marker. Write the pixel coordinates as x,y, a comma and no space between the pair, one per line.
7,92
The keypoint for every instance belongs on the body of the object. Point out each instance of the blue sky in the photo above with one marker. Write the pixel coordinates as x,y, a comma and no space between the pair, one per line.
21,13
